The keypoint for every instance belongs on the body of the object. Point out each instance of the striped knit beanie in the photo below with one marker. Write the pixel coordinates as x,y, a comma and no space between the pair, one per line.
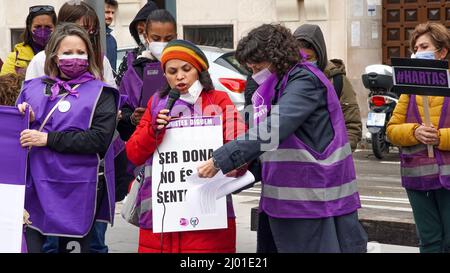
185,51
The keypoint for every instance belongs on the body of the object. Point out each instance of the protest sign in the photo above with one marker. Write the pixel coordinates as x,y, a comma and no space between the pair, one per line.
154,81
187,143
421,77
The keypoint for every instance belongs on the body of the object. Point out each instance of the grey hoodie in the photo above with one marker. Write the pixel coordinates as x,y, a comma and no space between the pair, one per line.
313,35
349,104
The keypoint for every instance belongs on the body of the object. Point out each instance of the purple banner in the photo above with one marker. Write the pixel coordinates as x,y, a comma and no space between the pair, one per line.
13,159
194,122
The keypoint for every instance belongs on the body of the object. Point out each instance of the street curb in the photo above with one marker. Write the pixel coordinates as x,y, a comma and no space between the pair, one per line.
383,232
392,233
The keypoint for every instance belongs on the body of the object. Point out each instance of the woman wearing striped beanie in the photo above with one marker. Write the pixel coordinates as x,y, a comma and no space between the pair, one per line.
186,70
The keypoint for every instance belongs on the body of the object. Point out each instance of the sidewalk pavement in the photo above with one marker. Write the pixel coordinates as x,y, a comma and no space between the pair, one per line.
123,237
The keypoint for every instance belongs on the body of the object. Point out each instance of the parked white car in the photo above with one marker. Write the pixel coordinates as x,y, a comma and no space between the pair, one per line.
226,72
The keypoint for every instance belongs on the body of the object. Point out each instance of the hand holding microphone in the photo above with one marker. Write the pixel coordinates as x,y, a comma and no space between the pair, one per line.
163,117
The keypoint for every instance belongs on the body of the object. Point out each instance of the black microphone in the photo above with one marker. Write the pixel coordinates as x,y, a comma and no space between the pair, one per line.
174,95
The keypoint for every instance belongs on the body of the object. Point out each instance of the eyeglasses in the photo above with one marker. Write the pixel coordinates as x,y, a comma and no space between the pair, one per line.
35,9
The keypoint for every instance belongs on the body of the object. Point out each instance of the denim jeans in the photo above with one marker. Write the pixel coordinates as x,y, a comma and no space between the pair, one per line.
97,240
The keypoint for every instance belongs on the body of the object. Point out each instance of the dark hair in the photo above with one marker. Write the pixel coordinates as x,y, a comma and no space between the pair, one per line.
71,13
204,78
271,43
112,3
161,16
27,34
10,85
438,33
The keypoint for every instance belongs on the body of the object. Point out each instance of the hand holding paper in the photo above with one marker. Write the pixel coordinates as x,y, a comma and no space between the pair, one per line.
203,193
207,170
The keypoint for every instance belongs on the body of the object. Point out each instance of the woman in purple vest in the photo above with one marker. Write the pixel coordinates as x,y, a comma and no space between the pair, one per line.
309,198
137,83
137,29
427,180
70,180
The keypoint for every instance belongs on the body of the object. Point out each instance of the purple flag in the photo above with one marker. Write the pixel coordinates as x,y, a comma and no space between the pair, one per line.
13,176
14,158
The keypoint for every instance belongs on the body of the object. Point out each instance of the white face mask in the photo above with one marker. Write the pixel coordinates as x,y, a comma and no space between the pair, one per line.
193,93
425,55
143,40
262,76
156,48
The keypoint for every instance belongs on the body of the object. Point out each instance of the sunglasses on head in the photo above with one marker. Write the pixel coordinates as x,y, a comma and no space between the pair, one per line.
40,8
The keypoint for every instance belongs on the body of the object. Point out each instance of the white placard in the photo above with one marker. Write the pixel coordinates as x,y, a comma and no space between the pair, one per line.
12,198
187,143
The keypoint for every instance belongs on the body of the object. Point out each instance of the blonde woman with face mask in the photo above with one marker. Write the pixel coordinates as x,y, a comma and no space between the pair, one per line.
72,121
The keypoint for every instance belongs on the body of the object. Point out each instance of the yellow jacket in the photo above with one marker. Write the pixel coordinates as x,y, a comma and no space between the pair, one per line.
401,133
18,59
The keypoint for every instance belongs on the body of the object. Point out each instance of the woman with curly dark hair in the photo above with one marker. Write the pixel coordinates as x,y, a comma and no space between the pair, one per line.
309,198
10,85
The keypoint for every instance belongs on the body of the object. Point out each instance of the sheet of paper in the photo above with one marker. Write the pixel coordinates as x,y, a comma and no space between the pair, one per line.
204,192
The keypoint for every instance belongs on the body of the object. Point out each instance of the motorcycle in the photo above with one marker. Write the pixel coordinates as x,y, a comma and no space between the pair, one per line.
378,79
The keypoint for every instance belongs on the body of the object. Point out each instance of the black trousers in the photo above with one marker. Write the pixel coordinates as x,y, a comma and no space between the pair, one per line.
340,234
36,240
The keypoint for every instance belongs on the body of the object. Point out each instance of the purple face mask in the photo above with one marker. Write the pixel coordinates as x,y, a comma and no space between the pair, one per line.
73,66
41,36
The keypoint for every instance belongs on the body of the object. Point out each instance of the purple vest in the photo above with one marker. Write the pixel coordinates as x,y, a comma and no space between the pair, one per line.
139,89
61,188
419,172
144,198
299,182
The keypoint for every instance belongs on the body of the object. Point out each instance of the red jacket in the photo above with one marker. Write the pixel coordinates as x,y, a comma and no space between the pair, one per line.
142,145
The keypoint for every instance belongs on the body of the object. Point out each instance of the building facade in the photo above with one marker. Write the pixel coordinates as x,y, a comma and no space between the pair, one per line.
13,16
352,28
360,32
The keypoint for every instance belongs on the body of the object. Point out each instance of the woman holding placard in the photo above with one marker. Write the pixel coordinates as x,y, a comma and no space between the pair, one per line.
426,178
186,69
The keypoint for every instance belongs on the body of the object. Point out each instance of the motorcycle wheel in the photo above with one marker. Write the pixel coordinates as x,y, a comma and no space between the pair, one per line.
380,146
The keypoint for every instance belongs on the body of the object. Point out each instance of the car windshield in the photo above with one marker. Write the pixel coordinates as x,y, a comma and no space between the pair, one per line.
229,60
